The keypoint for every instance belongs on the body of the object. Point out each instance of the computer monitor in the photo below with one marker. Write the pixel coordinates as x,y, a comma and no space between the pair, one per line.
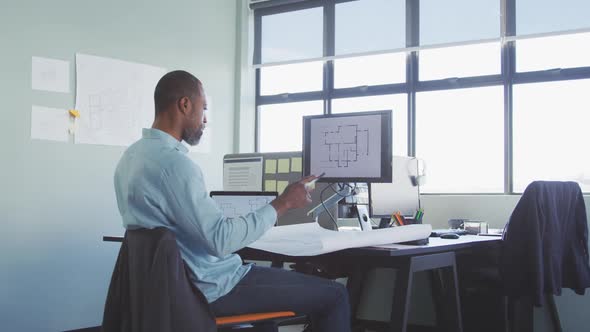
238,203
348,147
400,195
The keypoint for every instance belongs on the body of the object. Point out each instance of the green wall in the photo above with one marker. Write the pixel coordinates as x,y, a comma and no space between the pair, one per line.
57,199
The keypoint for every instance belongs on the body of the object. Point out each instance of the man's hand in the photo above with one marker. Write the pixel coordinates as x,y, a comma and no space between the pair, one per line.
296,195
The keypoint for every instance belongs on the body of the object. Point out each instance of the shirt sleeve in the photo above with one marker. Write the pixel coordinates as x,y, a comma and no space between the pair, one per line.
196,213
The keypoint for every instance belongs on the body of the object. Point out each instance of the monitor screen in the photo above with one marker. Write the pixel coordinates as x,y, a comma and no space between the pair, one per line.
401,195
238,203
348,147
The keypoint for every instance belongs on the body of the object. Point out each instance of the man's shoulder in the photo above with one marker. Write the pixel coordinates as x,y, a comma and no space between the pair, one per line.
178,163
157,156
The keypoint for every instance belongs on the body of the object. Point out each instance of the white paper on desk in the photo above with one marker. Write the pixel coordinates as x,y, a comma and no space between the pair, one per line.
49,124
115,99
50,74
311,239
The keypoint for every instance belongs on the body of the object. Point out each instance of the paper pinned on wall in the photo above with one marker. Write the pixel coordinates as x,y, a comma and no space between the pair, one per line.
283,166
296,164
50,74
281,185
270,166
115,99
270,185
49,124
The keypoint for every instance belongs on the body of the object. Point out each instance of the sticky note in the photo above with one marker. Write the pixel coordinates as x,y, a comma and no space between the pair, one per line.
284,166
74,113
296,164
270,166
281,185
270,185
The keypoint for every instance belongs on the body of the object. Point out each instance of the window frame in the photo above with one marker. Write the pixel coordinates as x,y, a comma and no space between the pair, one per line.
507,78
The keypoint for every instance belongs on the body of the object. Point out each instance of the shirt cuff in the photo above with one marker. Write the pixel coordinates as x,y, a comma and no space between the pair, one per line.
268,212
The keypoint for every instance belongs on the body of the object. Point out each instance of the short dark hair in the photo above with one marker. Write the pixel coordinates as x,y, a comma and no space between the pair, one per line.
173,86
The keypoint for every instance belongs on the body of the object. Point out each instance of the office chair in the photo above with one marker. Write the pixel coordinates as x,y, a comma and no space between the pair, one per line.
544,248
150,291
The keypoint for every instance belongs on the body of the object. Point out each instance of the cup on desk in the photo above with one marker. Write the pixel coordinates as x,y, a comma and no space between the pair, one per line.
457,223
475,227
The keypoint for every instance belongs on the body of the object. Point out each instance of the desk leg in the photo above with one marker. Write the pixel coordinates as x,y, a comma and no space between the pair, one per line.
354,285
401,298
445,292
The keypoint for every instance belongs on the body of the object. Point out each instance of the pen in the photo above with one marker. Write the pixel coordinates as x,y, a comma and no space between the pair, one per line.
311,184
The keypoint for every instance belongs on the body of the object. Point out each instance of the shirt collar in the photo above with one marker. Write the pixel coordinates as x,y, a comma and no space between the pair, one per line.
153,133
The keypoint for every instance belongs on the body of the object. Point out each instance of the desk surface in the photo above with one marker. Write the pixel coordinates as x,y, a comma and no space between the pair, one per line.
390,250
435,245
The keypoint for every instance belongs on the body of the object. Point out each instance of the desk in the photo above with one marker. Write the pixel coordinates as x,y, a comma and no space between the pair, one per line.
437,256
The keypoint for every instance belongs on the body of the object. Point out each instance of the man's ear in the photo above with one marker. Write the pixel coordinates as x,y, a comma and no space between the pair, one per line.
184,104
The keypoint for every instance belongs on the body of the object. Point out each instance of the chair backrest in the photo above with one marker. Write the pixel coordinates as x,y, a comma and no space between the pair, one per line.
150,289
545,243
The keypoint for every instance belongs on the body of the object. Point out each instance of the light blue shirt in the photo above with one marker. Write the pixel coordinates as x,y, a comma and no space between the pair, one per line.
158,185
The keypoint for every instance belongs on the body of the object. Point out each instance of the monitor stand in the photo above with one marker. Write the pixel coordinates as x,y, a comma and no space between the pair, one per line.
363,217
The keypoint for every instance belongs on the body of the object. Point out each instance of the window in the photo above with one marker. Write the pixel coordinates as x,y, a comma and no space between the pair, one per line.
378,25
293,78
284,37
370,70
397,103
551,132
275,135
443,68
459,135
539,16
440,63
458,20
565,51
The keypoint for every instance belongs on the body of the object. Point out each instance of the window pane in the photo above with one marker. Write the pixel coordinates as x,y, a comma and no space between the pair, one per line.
461,61
280,125
458,20
397,103
378,25
460,136
537,16
566,51
300,77
293,35
370,70
551,133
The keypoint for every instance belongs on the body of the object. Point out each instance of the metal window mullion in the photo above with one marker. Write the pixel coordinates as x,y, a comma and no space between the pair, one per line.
459,83
279,8
552,75
291,97
508,58
257,58
257,113
412,67
329,50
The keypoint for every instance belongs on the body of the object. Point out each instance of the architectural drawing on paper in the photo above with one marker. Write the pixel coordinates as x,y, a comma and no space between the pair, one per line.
231,210
346,145
113,108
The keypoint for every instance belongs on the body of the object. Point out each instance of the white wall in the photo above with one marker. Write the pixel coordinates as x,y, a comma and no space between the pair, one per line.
56,199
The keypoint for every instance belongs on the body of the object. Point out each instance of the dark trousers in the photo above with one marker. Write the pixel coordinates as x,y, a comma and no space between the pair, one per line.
265,289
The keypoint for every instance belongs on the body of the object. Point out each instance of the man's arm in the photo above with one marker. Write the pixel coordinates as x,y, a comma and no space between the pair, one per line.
196,214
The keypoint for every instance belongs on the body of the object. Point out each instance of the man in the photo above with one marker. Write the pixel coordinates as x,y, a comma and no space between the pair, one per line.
158,185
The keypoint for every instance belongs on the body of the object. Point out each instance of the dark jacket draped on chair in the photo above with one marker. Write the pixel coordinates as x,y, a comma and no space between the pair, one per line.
150,289
545,243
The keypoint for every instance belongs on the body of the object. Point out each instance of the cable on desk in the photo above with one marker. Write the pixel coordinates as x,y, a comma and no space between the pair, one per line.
324,206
